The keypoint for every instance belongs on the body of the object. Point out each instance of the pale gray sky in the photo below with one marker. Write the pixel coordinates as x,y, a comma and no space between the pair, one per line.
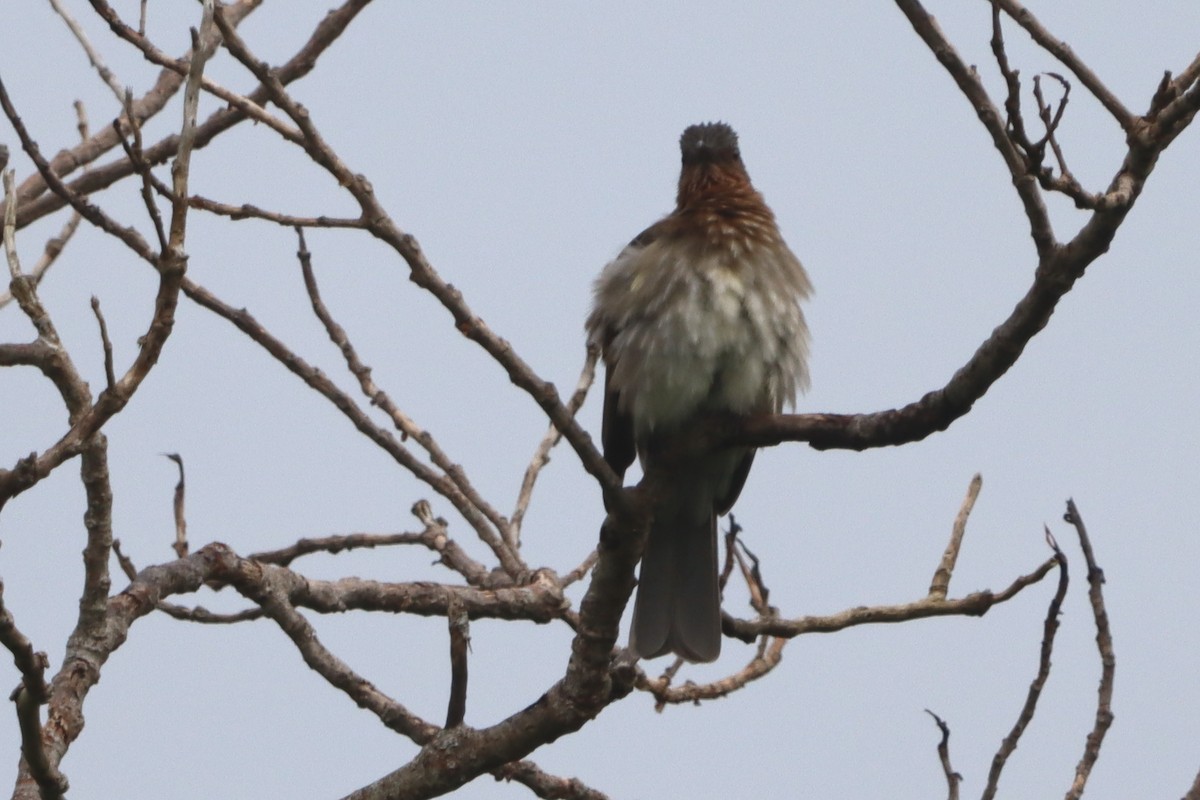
523,145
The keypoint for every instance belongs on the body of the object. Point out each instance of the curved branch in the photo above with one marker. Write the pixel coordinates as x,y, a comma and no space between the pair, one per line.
1108,661
975,604
1049,629
769,655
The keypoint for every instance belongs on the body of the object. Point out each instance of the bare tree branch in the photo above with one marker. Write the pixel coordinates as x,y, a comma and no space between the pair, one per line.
30,695
133,151
940,585
541,456
1049,629
55,245
460,643
953,779
97,62
109,375
178,510
974,604
435,537
35,762
92,213
170,265
544,785
1108,661
250,211
90,646
768,656
32,665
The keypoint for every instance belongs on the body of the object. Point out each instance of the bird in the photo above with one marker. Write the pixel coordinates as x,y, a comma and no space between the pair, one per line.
699,316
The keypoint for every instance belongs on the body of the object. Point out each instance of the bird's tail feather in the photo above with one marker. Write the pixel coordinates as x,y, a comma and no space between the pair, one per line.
678,606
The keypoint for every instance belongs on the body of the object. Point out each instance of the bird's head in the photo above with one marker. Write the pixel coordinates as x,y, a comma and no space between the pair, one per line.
712,167
710,143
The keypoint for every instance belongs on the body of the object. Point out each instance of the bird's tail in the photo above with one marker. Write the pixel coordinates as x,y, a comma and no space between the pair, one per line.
678,606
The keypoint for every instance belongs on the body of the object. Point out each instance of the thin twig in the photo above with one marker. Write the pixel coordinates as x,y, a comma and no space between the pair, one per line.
133,151
202,43
940,585
460,644
177,505
151,185
333,545
1108,661
1065,182
1012,79
31,664
92,213
250,211
765,659
541,456
953,779
975,604
55,245
581,570
1049,629
751,569
971,85
202,616
97,62
544,785
10,226
109,375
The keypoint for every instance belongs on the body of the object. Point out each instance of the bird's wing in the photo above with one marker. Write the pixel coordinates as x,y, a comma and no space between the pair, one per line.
737,479
617,434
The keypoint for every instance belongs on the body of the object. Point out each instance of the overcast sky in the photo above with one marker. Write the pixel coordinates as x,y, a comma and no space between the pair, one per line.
524,145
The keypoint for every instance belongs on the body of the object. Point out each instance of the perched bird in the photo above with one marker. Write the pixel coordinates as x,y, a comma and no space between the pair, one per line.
699,315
